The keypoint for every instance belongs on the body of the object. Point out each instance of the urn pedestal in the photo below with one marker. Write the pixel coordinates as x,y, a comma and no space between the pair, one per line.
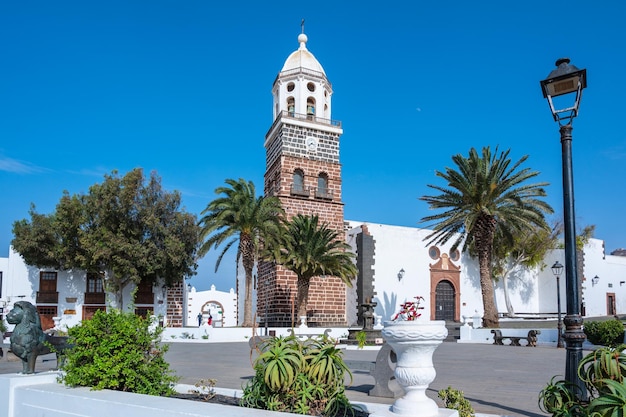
414,343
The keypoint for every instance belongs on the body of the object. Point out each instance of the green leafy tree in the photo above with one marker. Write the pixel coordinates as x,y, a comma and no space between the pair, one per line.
525,251
126,228
310,249
487,194
238,215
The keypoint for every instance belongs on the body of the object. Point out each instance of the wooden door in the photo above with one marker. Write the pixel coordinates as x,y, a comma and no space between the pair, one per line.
444,301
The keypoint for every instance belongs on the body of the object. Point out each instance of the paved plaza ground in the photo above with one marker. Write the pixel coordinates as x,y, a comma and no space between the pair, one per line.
502,380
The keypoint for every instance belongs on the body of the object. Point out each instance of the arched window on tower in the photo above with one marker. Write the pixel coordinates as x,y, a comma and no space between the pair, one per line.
322,190
310,108
291,106
297,187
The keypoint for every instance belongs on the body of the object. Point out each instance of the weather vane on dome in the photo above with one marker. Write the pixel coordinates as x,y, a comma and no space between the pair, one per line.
302,25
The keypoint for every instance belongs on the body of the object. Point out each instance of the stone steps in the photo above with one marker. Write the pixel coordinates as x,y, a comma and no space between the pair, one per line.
454,331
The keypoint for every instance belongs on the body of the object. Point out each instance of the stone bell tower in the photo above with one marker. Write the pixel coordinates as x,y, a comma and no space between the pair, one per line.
303,171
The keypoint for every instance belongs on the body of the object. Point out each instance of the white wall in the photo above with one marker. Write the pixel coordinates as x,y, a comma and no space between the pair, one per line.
397,248
198,301
611,271
21,282
531,291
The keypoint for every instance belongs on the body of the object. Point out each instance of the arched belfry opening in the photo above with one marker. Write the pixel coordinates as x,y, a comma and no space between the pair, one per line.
445,284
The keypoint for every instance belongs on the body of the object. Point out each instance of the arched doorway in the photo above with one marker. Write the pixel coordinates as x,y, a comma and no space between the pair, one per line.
216,310
445,284
445,301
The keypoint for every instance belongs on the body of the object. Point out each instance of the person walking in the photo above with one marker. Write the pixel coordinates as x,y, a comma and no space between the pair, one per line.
199,319
210,321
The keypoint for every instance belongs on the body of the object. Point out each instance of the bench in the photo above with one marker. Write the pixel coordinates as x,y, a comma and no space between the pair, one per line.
531,338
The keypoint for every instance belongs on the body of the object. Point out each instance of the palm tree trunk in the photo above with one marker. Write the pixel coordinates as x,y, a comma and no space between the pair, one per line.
247,259
484,236
303,296
490,315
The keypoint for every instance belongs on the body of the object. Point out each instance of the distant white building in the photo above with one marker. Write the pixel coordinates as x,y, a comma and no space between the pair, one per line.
221,306
65,298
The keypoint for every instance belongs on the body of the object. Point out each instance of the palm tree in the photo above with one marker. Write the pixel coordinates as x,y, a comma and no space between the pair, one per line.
486,194
309,249
238,215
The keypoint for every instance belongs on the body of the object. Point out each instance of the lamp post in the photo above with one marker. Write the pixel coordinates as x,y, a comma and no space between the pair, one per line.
567,80
557,269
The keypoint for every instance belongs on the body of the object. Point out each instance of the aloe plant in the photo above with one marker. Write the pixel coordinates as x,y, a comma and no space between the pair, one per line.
558,398
298,377
612,402
602,365
604,373
281,362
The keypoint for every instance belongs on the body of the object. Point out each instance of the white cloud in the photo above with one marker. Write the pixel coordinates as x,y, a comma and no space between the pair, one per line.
18,167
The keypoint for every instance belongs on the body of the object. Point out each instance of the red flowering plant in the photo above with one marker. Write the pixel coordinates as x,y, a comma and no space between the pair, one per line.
409,310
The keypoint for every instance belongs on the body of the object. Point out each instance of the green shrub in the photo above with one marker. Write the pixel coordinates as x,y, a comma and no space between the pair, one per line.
298,377
604,333
455,400
118,351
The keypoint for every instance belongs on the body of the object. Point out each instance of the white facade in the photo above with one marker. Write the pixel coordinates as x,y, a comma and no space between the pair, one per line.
21,282
531,291
220,305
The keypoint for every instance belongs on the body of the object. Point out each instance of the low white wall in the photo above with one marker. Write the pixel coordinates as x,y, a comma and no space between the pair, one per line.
238,334
40,395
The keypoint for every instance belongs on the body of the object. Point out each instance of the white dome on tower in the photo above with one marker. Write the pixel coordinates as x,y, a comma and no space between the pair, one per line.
302,58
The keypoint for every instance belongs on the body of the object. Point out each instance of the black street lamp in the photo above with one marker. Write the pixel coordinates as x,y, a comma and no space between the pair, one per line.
557,269
568,80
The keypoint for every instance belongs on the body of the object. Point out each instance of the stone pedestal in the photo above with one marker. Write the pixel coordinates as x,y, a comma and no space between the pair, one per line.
373,335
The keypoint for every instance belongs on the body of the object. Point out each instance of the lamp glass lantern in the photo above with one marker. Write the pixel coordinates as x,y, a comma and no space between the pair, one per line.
565,79
557,269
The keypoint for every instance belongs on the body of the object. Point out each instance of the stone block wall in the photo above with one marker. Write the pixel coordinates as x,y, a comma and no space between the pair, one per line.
175,302
287,152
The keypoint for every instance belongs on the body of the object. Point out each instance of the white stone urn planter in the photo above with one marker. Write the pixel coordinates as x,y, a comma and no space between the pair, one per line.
414,343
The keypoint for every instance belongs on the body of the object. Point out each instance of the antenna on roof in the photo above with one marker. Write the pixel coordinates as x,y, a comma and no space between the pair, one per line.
302,25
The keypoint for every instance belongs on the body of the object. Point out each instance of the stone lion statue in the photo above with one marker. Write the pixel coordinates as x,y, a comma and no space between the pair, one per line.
27,340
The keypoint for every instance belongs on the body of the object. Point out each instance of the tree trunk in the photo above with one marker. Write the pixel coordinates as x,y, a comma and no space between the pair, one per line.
303,296
247,304
490,315
247,259
114,287
507,298
483,236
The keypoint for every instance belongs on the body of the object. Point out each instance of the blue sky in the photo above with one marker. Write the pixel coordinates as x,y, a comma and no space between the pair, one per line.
184,88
